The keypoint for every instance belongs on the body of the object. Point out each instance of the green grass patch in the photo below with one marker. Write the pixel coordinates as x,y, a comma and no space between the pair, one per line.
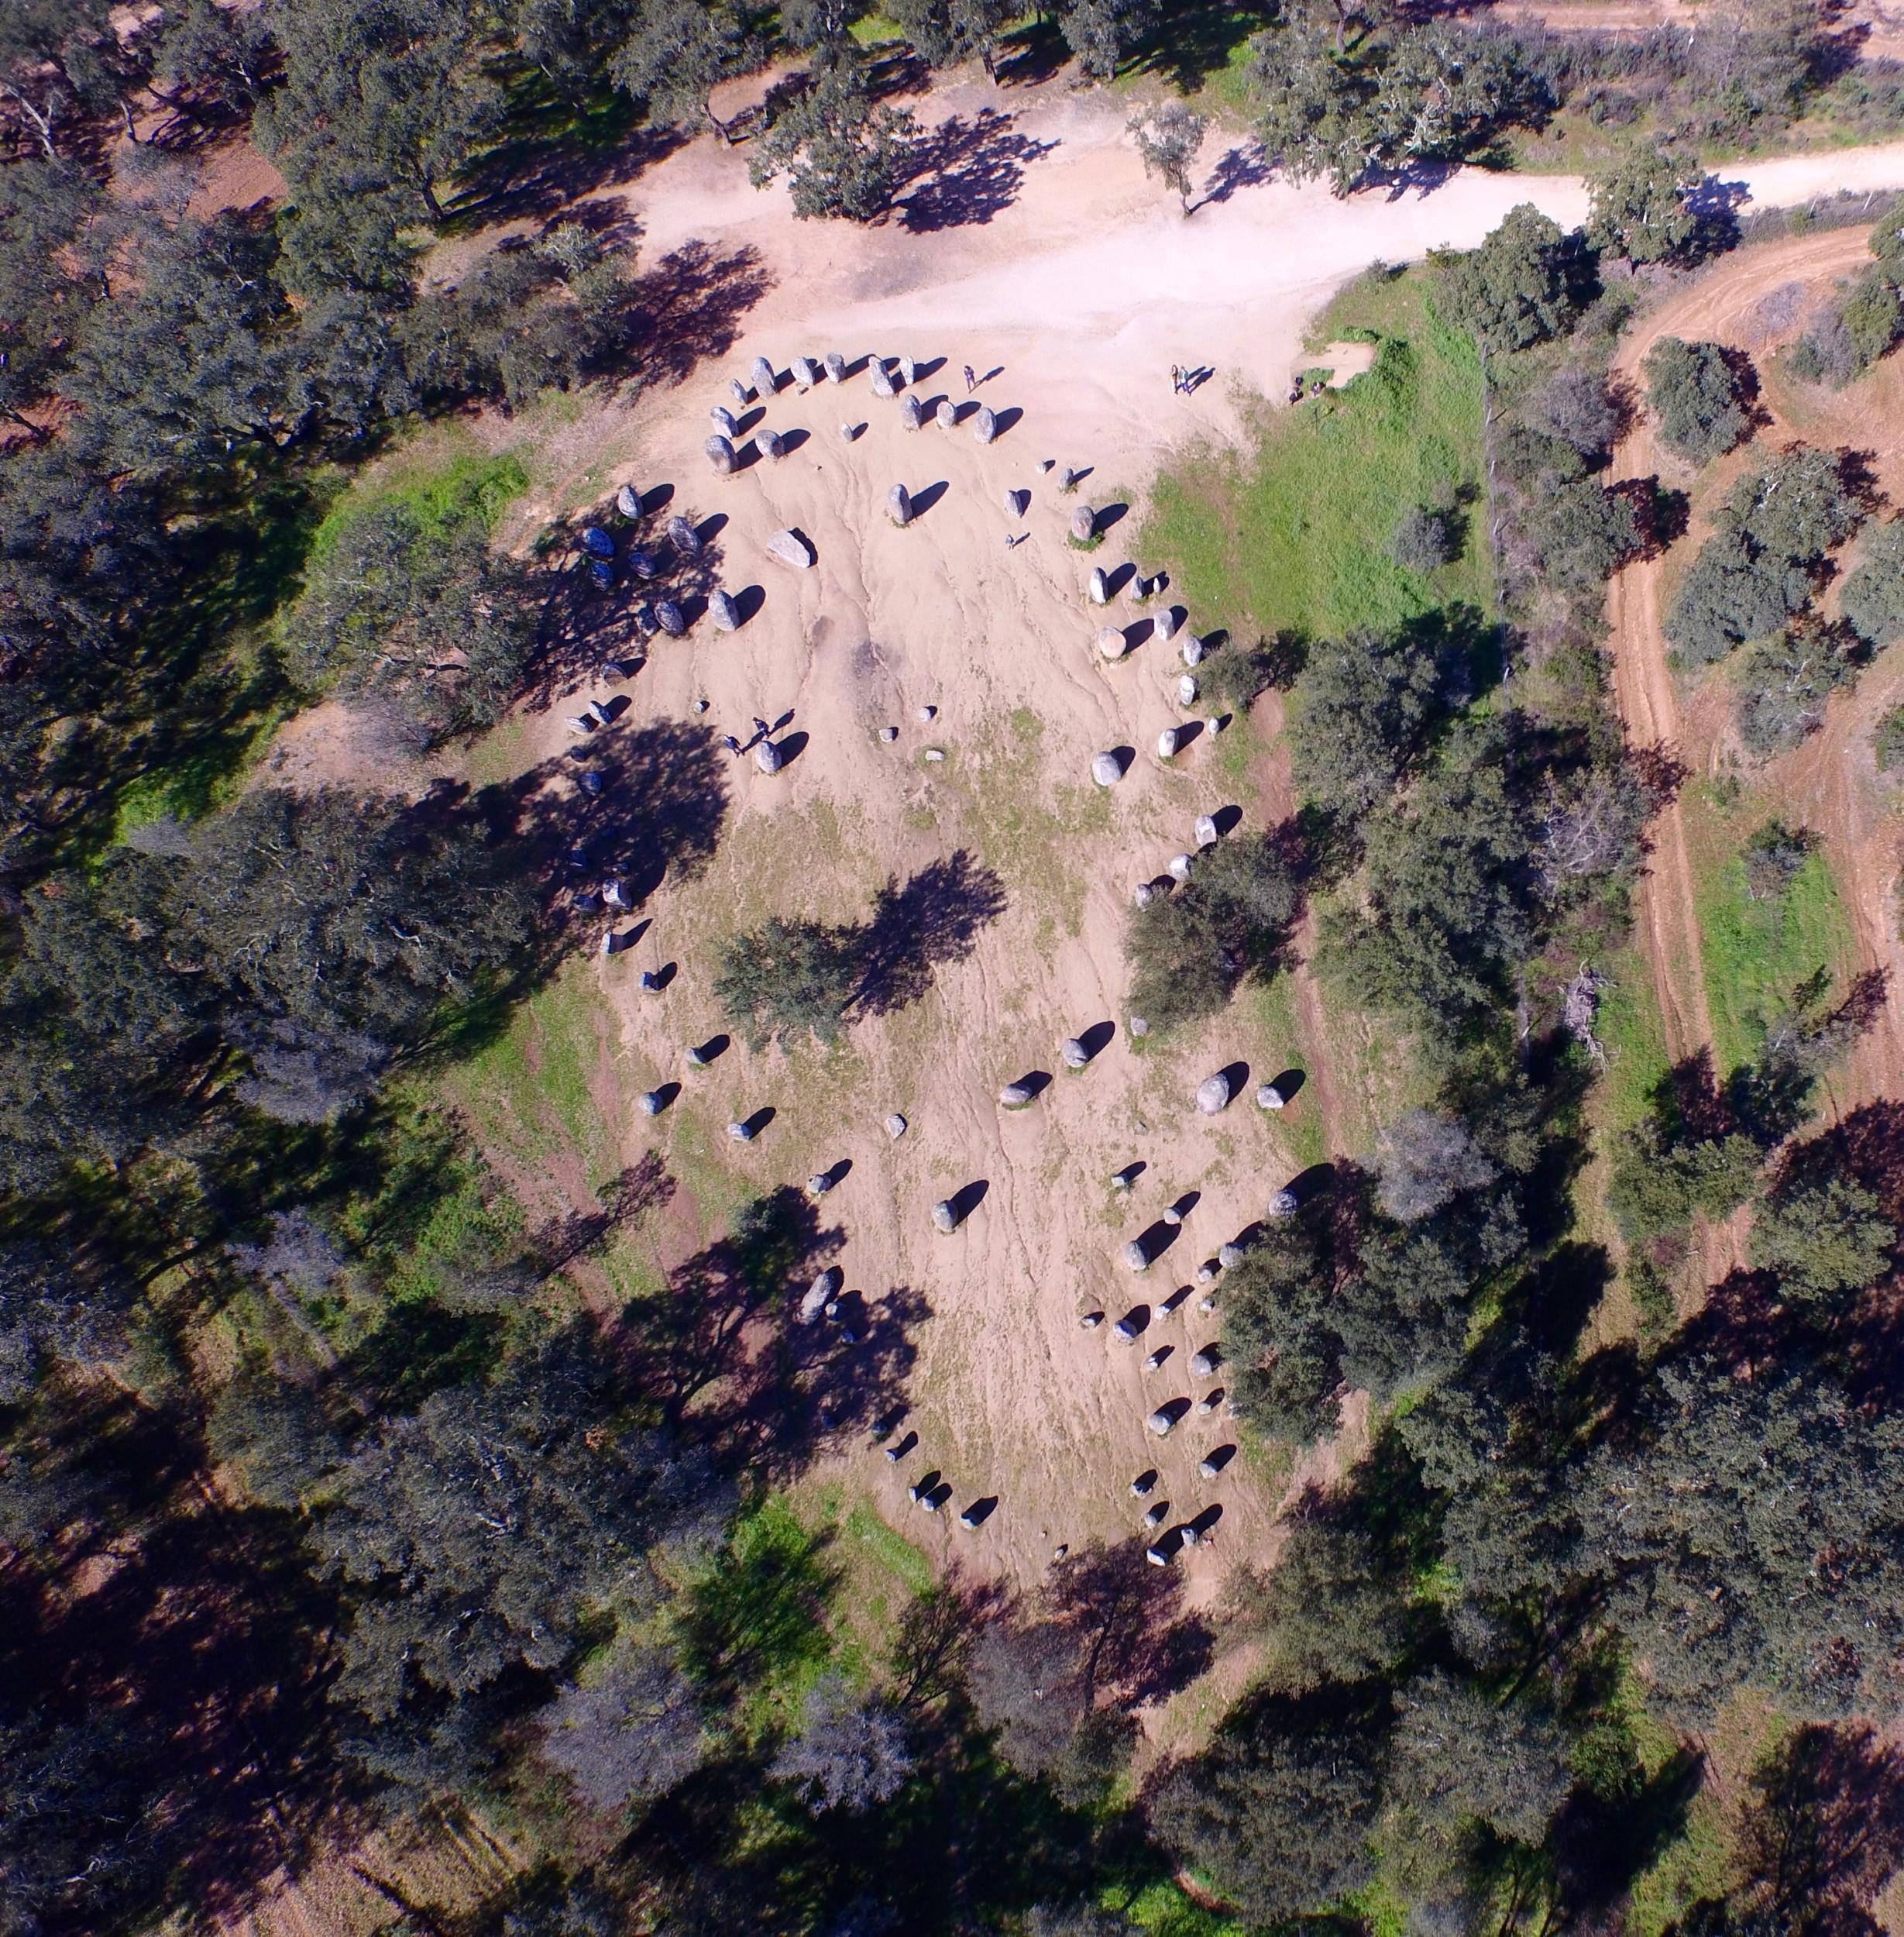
869,1535
1161,1907
528,1089
440,492
1634,1034
1755,953
1294,534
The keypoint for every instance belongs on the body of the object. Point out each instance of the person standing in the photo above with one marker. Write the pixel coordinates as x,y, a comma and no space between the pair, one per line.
971,380
1177,380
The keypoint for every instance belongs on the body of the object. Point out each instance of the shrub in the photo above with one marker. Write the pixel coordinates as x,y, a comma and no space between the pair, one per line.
1514,291
1424,540
1783,685
1238,675
1772,856
1823,1238
1364,705
1188,950
420,615
1732,593
1655,1189
1698,397
1576,406
1585,532
1888,741
1874,592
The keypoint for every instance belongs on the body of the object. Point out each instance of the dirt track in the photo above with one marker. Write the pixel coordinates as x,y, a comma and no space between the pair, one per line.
1828,784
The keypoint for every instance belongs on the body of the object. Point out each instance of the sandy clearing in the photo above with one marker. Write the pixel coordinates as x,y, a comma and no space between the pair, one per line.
1078,294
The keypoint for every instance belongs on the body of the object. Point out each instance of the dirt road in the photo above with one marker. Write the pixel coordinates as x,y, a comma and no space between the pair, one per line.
1829,784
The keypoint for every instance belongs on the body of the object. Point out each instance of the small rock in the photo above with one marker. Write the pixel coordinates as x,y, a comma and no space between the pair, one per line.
1139,1026
1091,1321
933,755
895,1126
700,706
888,734
927,714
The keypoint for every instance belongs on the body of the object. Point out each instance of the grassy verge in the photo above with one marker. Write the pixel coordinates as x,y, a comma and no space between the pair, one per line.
1755,953
1294,534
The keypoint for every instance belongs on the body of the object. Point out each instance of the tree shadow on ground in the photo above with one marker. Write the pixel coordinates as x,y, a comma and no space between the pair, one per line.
934,920
688,308
1824,1832
1136,1643
967,172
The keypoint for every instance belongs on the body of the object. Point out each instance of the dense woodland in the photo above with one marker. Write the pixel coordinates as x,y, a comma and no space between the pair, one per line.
324,1507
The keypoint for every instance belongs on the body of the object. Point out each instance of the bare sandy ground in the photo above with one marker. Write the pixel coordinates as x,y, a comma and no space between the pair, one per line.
1072,300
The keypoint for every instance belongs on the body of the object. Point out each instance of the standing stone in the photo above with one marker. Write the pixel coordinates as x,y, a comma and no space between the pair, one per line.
1139,1026
947,415
723,611
1111,643
882,379
1107,770
805,372
912,414
944,1219
1269,1097
1098,589
1282,1204
628,499
742,395
669,617
1179,867
985,424
1143,894
1230,1255
1017,503
765,382
791,549
1193,651
683,537
1166,744
649,1102
1213,1094
767,757
1084,524
1074,1053
1136,1257
836,366
1216,723
724,420
769,444
1139,589
895,1126
1163,625
899,506
1186,691
1014,1096
1205,832
721,454
908,372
